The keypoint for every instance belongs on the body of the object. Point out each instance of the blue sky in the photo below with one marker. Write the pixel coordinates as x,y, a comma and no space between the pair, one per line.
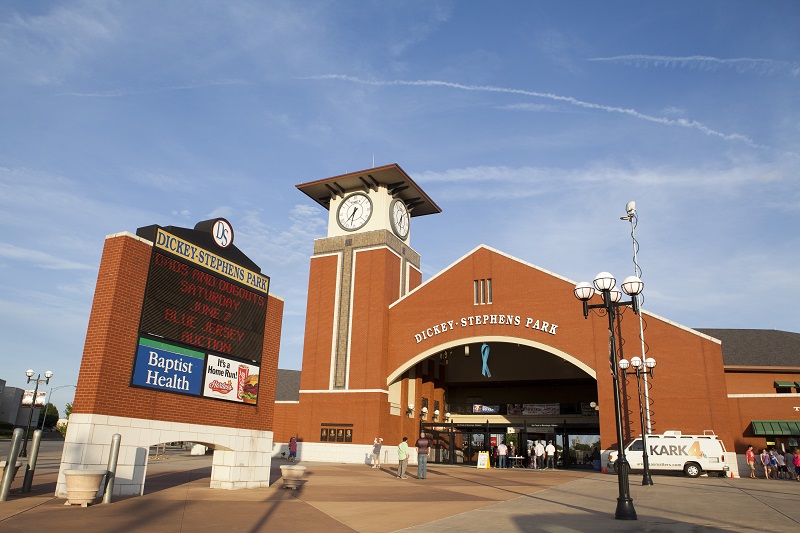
530,123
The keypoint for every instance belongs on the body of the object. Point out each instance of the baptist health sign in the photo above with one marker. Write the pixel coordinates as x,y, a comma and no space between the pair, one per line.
169,368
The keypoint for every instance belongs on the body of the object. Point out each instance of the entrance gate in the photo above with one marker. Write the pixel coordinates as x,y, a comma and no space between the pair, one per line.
460,445
456,445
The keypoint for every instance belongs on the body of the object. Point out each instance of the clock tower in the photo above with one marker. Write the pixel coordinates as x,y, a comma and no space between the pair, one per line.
363,265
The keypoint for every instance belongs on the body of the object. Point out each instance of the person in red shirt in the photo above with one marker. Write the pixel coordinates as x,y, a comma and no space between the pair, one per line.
751,460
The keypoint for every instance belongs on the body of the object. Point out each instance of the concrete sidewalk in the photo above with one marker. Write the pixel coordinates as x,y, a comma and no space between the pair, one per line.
358,498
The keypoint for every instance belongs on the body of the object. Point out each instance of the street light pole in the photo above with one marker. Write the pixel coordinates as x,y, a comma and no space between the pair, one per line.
50,397
29,373
637,364
605,283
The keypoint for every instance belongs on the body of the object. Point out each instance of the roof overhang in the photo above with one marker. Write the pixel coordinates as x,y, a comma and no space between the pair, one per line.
776,427
399,184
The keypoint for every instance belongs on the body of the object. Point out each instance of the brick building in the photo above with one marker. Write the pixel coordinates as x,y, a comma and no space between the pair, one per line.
183,339
493,346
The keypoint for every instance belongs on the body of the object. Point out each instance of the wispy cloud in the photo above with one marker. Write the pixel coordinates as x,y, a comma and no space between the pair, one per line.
45,48
527,182
708,63
679,122
162,181
39,258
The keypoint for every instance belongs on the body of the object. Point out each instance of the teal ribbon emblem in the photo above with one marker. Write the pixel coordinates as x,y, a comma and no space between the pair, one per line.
485,357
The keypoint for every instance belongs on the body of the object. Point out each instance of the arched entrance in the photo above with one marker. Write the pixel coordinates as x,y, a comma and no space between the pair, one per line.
510,390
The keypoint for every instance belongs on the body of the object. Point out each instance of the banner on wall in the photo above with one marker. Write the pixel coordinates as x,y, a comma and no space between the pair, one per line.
478,408
533,409
171,368
231,380
167,367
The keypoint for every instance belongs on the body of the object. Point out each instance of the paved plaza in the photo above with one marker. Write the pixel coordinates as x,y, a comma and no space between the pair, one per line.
338,498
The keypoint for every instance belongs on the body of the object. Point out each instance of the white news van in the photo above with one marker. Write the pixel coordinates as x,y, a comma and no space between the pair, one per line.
694,454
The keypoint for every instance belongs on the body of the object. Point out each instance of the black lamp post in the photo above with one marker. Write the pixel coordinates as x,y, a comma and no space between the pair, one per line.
605,283
641,367
47,376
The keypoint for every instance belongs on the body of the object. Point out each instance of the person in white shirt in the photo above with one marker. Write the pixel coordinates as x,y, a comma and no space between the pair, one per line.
550,450
502,454
539,455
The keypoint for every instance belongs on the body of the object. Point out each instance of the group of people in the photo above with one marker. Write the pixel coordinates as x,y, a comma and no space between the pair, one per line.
776,465
423,446
538,457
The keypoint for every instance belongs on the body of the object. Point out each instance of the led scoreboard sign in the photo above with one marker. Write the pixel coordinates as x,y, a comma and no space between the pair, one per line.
201,331
200,299
189,305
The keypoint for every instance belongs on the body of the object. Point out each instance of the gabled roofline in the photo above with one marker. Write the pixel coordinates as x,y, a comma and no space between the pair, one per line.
544,271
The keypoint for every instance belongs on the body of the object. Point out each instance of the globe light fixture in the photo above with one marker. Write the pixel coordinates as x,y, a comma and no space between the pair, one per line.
605,284
641,368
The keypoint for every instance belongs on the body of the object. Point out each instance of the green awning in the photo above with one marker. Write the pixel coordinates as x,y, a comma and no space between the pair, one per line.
784,384
776,427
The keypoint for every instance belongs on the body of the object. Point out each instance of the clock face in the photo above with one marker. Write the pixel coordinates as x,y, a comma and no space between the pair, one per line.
354,211
398,216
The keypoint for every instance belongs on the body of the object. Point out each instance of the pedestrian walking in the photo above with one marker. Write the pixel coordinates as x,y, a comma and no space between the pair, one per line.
783,472
539,455
402,458
765,462
550,450
773,463
796,463
502,453
788,458
750,455
377,444
423,446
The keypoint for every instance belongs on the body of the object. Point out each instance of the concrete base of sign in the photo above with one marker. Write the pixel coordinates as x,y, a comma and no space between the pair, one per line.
241,456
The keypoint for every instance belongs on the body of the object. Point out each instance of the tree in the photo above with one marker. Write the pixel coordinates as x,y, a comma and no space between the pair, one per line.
50,414
68,410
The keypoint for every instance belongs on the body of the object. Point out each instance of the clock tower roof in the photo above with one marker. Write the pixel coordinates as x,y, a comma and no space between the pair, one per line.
399,184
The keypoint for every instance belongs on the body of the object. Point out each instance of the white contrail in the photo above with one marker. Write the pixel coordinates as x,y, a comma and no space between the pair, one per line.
684,123
741,64
188,87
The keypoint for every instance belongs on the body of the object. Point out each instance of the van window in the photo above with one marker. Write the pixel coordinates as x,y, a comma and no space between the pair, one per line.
636,446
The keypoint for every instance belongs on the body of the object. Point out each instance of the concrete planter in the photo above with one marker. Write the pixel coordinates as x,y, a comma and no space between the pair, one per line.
82,486
292,476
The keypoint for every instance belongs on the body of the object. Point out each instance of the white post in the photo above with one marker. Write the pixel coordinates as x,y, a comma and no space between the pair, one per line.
633,218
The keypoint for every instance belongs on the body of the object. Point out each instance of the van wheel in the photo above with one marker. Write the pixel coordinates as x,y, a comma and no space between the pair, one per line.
692,469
